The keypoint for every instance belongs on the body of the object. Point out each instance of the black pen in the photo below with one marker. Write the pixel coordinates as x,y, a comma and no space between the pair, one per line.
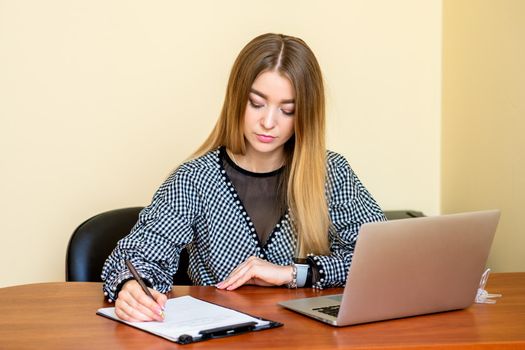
137,277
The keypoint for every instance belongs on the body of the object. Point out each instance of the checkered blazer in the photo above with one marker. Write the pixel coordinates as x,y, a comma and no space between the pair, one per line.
197,207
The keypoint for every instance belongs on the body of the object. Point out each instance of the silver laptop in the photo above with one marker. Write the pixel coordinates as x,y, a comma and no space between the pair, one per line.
409,267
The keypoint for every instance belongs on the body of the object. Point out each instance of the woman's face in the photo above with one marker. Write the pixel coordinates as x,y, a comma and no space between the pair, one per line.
269,116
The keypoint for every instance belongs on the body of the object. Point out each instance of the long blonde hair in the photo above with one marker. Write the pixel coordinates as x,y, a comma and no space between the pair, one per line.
305,152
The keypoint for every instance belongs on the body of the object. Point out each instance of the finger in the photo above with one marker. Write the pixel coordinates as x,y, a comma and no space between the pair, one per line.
138,300
126,304
136,291
226,282
129,313
123,316
131,307
237,274
238,269
240,272
160,298
148,306
241,278
120,313
252,260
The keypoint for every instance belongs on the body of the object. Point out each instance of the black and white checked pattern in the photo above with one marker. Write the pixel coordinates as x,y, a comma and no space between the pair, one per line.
197,207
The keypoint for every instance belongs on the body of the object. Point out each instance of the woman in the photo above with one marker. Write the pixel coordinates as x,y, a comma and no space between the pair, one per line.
261,191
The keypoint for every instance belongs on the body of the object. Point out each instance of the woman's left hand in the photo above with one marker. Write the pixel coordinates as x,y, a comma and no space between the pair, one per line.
259,272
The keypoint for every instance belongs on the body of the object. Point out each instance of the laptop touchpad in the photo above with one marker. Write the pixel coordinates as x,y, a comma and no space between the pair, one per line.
337,297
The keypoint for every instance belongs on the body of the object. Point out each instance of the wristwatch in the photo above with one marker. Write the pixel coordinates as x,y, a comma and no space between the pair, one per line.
303,271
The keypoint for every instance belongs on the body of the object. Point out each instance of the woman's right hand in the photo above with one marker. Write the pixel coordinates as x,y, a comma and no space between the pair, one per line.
134,305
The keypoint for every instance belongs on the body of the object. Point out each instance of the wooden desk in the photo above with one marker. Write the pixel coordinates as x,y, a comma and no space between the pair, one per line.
62,316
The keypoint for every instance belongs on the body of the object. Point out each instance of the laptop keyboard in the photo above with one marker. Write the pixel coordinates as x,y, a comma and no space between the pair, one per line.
329,310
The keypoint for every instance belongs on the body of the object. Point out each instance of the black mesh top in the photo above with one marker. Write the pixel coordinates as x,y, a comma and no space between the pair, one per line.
259,193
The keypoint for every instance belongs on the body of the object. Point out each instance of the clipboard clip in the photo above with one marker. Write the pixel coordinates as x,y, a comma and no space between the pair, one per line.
218,332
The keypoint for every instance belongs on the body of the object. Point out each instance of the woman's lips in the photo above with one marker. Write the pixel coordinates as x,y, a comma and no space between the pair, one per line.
265,138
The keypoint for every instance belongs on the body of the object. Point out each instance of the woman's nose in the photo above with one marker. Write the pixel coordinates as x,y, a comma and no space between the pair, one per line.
268,120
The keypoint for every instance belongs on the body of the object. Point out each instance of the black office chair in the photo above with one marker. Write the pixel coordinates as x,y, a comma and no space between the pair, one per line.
402,214
93,241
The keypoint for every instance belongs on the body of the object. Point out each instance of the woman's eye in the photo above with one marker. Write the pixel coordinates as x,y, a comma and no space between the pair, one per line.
287,112
254,104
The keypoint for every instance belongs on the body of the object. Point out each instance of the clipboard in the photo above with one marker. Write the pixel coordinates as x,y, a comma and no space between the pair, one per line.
189,320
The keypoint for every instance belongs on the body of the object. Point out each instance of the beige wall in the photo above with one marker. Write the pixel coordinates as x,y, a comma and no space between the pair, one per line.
99,100
484,118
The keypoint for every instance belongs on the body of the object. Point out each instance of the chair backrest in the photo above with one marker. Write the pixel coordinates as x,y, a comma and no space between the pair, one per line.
402,214
93,241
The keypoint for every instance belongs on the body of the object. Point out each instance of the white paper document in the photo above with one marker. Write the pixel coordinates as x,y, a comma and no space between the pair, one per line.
188,315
